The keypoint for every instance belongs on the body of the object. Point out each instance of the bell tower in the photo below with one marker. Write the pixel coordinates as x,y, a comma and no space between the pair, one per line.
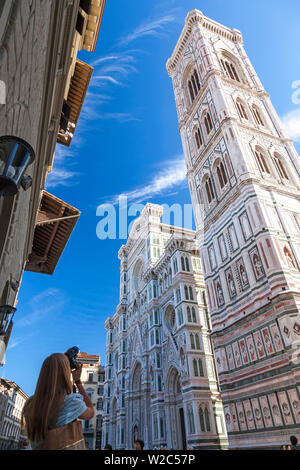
244,179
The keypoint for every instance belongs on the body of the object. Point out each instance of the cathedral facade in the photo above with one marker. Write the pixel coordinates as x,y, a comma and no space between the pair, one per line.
161,381
243,174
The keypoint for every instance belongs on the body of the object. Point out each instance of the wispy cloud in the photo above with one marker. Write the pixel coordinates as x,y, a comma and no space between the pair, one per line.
148,28
42,305
291,123
20,340
171,176
114,68
121,117
111,70
62,173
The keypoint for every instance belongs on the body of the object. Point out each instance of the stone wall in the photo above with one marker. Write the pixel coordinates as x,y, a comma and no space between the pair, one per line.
23,55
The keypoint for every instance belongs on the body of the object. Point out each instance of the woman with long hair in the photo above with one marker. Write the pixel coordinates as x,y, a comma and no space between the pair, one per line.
50,415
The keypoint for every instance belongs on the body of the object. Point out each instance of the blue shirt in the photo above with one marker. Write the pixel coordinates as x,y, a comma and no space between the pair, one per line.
73,407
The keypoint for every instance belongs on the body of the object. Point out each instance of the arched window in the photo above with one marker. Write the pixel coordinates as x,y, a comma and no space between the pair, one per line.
178,295
209,190
242,110
186,293
191,293
180,316
194,315
201,419
257,116
229,68
208,123
222,177
201,373
195,367
187,266
198,138
262,161
193,85
197,343
182,263
159,383
191,421
189,315
280,168
207,420
192,339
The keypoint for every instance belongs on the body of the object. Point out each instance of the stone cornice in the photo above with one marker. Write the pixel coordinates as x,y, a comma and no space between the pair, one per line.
193,17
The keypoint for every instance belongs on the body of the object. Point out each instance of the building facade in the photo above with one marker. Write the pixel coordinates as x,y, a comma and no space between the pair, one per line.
93,377
161,384
12,400
42,86
243,173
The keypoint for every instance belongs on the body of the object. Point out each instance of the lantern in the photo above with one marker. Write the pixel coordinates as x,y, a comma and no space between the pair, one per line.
6,312
15,156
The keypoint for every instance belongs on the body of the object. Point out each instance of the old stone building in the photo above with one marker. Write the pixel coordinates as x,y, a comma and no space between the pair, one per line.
243,173
161,384
93,377
43,86
12,400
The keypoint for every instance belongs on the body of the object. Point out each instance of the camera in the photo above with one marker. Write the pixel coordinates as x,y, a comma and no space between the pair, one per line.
72,355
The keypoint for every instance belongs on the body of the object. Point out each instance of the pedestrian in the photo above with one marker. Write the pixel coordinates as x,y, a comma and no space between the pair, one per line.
139,444
294,442
25,445
108,447
51,415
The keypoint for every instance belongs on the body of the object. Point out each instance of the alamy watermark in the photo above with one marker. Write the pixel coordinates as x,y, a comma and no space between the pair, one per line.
115,219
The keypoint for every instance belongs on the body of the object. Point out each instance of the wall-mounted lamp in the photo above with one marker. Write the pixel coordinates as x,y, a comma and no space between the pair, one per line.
15,157
6,312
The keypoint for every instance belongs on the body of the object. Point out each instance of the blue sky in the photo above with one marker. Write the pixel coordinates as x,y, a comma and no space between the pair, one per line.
127,142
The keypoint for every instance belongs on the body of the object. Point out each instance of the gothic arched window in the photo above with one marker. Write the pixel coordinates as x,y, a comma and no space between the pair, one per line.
222,177
201,372
201,419
280,167
207,420
197,343
198,138
257,116
192,339
210,194
186,293
242,110
194,315
193,84
191,293
262,161
208,123
195,367
189,317
229,68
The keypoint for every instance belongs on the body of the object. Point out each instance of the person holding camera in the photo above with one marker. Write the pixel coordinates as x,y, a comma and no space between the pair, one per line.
51,415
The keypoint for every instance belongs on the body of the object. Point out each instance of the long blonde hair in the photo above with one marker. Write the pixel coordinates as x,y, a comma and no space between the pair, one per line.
41,411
